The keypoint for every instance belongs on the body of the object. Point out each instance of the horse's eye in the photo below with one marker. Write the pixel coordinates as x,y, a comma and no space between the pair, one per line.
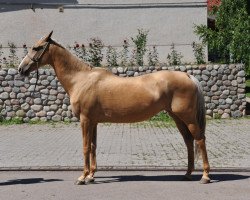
36,48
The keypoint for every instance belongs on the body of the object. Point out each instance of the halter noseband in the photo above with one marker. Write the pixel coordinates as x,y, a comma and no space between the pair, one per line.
36,58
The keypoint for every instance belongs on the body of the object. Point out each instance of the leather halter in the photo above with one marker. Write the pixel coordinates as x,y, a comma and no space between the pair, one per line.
36,58
39,53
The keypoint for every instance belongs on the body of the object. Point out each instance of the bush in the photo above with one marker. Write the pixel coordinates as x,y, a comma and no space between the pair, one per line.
174,58
111,57
199,54
124,55
140,42
153,59
95,52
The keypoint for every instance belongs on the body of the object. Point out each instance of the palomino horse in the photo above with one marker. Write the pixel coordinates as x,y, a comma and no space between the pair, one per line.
96,95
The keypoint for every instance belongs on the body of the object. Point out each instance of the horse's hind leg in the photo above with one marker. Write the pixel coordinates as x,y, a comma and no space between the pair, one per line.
200,141
189,141
87,132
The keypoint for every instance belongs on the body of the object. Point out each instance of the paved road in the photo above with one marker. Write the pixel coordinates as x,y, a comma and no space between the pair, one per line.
121,146
135,185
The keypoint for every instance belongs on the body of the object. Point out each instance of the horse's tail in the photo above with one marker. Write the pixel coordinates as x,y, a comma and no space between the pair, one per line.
201,113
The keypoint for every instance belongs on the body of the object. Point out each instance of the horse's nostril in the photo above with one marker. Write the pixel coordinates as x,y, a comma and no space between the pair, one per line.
20,70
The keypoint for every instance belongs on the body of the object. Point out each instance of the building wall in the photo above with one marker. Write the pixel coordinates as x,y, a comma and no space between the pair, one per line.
112,21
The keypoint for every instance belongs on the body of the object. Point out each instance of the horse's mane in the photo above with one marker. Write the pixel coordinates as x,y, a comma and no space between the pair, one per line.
56,43
81,64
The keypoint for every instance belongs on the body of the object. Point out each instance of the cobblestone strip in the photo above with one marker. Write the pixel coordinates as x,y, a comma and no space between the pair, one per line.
149,145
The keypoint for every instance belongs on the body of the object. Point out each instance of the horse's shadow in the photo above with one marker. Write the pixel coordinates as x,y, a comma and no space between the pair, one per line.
27,181
134,178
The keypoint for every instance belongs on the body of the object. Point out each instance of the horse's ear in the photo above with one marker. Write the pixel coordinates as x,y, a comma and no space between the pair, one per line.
48,36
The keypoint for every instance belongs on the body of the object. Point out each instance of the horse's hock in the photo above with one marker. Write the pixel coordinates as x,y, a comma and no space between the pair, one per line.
223,85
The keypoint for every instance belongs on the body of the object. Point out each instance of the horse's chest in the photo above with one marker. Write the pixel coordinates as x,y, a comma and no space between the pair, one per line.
82,105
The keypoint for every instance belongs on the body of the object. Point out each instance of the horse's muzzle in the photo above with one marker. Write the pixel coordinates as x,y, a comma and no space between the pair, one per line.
23,72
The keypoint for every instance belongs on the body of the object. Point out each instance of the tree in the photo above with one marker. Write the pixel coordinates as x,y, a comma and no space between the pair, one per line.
231,38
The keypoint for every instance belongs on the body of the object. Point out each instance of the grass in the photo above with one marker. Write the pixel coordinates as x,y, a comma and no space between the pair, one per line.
19,120
160,120
13,121
248,88
161,116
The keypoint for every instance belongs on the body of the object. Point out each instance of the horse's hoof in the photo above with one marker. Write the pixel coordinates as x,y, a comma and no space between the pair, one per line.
78,182
89,179
205,180
187,178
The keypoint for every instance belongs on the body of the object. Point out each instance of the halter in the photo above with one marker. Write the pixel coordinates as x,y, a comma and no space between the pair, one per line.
36,58
39,52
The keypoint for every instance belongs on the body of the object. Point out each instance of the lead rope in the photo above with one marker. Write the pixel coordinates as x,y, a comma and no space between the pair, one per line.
37,77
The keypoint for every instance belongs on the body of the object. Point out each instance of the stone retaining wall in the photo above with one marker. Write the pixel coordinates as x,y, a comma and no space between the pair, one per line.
224,90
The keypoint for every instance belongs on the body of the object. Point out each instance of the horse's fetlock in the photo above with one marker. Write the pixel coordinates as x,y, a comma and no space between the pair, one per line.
93,146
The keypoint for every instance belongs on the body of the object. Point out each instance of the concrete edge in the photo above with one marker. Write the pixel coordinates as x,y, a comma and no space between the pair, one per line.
120,168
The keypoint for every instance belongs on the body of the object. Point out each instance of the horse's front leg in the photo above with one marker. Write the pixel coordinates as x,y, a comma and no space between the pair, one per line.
87,131
90,176
93,165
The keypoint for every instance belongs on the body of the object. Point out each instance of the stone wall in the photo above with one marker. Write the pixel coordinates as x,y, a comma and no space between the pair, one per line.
223,85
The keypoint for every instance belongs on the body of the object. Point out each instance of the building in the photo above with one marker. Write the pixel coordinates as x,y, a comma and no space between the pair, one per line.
168,21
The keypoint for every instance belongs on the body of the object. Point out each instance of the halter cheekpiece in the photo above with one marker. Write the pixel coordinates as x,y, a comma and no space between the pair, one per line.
40,51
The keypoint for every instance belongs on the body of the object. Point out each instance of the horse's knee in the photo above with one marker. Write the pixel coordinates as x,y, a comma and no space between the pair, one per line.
201,141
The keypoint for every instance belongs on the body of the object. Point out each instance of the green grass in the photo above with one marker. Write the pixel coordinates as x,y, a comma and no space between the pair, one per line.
13,121
18,120
157,120
248,88
160,120
161,116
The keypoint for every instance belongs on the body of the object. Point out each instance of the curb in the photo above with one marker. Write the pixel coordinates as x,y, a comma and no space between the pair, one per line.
120,168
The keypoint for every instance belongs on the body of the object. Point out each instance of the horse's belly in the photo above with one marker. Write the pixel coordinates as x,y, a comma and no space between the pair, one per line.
140,103
126,114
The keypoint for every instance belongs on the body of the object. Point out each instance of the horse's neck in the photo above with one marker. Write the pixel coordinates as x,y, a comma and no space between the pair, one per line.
66,66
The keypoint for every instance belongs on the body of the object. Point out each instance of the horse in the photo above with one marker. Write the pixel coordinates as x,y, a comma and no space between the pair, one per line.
96,95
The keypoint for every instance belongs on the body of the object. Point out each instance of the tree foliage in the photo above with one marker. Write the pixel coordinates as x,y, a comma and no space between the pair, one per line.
231,37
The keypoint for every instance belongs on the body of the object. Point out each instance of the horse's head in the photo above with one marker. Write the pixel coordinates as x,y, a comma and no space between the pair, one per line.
37,56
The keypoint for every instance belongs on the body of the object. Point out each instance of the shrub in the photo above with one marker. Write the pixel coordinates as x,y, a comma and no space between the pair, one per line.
174,58
95,55
199,54
153,59
140,42
124,55
13,59
111,57
80,52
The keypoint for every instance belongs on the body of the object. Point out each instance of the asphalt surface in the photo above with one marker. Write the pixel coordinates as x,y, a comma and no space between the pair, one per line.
122,185
149,145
